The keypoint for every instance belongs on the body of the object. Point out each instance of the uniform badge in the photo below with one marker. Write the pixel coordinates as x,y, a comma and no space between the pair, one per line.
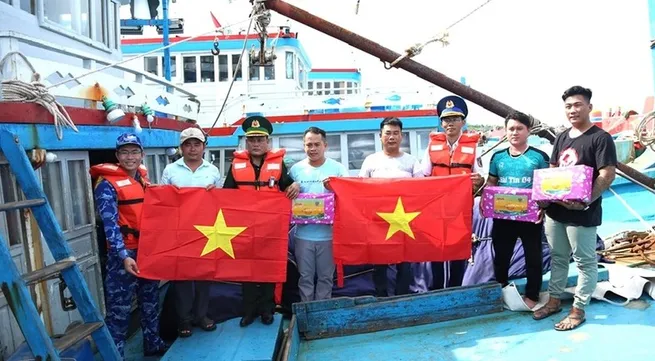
255,124
450,104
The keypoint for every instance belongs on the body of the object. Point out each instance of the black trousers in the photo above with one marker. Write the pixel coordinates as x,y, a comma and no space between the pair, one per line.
447,274
258,298
403,279
191,300
504,235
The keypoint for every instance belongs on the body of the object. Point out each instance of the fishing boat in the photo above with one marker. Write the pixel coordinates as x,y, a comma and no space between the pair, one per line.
160,96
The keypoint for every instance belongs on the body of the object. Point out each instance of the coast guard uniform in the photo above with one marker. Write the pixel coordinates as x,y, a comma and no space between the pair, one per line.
119,199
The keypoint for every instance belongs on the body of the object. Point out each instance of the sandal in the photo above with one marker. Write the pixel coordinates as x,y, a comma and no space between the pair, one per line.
206,324
546,311
184,330
573,320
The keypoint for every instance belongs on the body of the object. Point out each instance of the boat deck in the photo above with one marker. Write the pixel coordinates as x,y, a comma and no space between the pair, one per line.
610,332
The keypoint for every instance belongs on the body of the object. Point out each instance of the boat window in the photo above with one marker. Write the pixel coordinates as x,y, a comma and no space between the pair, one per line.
100,33
27,5
229,156
319,85
150,166
190,69
53,186
339,85
301,74
150,65
14,220
162,161
114,43
327,85
253,73
404,145
289,65
77,177
236,73
423,138
269,72
310,86
173,67
207,73
215,158
222,68
349,85
359,147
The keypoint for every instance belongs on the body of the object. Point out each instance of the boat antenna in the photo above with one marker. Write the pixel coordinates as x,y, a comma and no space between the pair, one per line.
263,17
441,37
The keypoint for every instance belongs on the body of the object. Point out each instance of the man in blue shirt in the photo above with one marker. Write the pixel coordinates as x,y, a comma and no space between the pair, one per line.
118,197
514,167
192,170
313,242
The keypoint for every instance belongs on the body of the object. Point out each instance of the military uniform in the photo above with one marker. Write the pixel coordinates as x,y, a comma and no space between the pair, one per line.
444,159
119,198
270,175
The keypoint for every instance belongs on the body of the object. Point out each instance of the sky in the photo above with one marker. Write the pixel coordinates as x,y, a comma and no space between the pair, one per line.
524,53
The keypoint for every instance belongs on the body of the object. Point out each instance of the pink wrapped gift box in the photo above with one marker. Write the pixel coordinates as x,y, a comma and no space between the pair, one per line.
563,183
509,203
313,208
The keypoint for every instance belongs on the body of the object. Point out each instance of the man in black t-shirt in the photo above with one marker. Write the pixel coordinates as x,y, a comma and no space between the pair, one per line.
571,226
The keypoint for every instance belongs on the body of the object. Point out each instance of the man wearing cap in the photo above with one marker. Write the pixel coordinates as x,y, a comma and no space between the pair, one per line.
118,193
259,168
451,152
192,170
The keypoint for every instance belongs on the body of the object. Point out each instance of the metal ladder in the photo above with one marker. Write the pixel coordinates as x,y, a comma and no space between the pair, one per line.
14,285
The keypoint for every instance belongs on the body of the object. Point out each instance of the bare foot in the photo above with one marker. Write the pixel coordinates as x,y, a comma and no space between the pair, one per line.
528,302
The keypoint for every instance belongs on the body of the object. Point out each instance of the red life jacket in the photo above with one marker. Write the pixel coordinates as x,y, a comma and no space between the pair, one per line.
462,159
270,172
130,194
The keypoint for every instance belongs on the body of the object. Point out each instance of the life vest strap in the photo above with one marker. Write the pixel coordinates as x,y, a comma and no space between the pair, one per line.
125,230
126,202
256,183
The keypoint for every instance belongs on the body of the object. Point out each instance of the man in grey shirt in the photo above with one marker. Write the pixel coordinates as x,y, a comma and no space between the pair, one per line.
391,162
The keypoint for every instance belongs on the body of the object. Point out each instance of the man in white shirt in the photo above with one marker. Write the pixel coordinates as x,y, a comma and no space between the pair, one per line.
391,162
192,170
451,152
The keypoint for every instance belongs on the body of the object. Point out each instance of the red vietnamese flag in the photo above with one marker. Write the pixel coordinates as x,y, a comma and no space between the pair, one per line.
385,221
221,235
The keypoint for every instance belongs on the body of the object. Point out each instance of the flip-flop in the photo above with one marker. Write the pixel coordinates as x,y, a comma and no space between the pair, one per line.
545,312
184,330
206,324
572,318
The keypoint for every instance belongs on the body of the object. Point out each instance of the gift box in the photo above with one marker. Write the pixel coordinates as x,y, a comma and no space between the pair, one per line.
563,183
509,203
313,208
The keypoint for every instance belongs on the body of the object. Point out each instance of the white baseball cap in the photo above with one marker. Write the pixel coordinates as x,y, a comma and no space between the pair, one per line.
192,133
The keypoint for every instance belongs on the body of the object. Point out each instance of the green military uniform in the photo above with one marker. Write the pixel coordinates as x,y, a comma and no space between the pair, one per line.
258,298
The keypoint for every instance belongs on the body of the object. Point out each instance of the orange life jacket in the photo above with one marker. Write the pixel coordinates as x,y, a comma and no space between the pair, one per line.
462,159
269,176
130,194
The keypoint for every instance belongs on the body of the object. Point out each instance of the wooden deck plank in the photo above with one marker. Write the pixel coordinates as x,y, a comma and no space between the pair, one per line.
229,342
611,332
349,316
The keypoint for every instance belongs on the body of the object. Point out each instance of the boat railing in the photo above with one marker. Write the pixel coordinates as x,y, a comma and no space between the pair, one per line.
167,98
299,101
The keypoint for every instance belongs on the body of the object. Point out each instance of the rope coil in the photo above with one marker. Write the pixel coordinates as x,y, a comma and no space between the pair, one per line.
646,137
18,91
632,245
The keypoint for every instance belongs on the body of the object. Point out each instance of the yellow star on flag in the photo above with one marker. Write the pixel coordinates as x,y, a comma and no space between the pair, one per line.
219,235
399,220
